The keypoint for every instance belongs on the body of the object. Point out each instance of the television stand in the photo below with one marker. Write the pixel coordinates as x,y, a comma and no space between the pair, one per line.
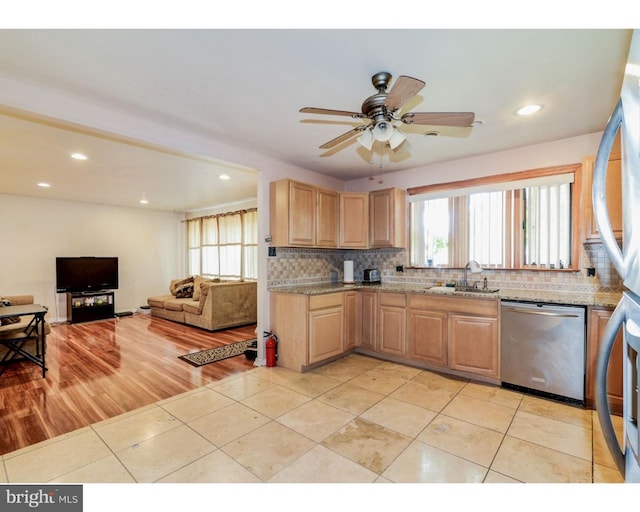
89,306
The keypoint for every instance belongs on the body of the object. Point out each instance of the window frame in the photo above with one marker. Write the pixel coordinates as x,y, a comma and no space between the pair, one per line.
217,244
498,180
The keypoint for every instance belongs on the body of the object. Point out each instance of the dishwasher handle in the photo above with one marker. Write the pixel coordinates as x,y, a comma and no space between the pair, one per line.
540,312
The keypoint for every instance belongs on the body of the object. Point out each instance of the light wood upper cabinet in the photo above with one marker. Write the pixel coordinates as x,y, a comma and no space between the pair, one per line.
387,218
613,195
327,218
354,220
292,207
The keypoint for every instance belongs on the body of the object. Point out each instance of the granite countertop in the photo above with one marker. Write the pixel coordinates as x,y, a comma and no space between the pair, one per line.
602,299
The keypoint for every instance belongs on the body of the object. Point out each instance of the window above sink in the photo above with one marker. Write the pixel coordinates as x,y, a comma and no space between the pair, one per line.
524,220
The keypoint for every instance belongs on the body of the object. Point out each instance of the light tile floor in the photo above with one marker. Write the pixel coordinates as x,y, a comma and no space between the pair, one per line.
358,419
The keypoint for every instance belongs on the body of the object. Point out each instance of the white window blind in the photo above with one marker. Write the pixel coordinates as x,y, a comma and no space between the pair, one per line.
519,223
547,225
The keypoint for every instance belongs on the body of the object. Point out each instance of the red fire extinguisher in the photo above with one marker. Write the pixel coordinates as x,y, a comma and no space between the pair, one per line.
271,346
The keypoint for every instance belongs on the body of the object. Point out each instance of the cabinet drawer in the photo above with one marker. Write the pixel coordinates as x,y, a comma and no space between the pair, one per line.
325,301
483,307
393,299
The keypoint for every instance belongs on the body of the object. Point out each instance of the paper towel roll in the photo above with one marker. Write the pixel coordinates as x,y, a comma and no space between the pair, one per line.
348,271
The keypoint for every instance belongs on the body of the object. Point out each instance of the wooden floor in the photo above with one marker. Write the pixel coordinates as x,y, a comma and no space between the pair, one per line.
98,370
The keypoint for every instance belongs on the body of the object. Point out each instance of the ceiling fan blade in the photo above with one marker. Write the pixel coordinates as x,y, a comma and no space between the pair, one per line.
330,112
403,90
461,119
343,137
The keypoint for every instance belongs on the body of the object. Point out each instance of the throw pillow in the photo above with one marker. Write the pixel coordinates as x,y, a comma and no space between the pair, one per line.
11,319
184,291
176,284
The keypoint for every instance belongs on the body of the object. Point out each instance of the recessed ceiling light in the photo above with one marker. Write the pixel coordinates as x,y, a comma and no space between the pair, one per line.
527,110
224,177
43,185
431,134
475,123
144,201
78,156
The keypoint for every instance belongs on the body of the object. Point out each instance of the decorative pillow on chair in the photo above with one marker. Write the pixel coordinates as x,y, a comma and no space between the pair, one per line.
11,319
184,291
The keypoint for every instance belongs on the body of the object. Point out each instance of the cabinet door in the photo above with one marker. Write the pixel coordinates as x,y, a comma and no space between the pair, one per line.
613,194
392,330
428,337
392,320
327,218
387,211
598,319
368,322
474,345
351,331
302,214
354,220
325,333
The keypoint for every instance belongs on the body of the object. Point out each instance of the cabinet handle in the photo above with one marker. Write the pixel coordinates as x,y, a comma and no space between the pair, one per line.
545,313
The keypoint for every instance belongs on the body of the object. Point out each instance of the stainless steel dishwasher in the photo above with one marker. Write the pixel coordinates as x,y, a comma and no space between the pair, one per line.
543,349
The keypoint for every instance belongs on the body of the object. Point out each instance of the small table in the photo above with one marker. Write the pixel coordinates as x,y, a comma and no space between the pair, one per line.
33,331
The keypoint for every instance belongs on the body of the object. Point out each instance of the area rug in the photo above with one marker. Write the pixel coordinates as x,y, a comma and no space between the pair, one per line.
212,355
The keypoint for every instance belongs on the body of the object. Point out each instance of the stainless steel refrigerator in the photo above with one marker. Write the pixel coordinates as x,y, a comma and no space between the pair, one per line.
626,260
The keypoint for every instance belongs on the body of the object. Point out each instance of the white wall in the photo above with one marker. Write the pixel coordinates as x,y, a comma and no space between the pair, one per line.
549,154
16,94
35,231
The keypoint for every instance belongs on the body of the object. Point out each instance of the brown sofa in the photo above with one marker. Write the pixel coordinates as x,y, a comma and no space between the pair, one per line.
15,330
213,305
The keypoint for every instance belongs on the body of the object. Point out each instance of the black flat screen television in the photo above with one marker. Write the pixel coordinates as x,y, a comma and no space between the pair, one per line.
86,274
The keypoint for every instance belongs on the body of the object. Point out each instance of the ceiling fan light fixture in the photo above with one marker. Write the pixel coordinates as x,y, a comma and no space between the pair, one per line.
383,131
366,139
397,138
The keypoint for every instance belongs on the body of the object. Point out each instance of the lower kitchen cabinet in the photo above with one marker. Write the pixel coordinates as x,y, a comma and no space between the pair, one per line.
351,317
310,329
598,318
392,318
458,333
474,345
326,327
428,337
368,309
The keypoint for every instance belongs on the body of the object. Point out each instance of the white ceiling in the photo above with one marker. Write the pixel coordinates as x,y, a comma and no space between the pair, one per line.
244,88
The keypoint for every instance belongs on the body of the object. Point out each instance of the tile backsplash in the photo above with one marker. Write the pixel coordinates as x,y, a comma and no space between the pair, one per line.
292,267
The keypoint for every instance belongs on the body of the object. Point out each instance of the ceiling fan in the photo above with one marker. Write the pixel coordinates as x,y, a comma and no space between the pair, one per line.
382,111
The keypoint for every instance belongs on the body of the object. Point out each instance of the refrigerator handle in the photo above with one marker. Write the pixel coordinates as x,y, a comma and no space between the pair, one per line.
602,371
599,196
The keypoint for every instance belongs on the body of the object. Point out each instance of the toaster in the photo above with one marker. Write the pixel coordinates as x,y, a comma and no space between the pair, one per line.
371,275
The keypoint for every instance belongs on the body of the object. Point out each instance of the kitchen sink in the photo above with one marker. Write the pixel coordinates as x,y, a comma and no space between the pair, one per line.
462,289
472,289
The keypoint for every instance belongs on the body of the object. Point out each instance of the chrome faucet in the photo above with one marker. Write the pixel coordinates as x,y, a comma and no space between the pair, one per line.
474,267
